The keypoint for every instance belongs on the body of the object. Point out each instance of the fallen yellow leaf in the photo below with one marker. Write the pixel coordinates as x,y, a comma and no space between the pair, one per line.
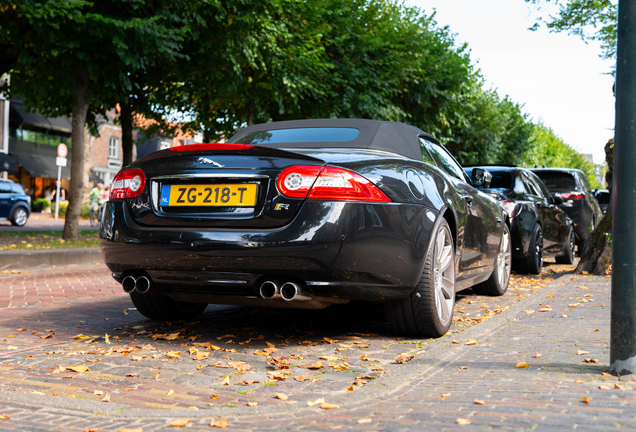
282,396
252,404
537,355
463,421
78,369
586,400
618,386
326,405
226,381
219,423
403,358
316,402
522,364
130,430
364,420
4,417
471,342
479,402
170,392
179,423
445,395
106,398
581,352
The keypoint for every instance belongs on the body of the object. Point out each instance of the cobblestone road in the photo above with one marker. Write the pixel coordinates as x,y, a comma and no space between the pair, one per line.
38,391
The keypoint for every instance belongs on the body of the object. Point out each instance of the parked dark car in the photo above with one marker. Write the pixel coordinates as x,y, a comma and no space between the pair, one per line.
538,227
578,201
602,198
306,214
15,205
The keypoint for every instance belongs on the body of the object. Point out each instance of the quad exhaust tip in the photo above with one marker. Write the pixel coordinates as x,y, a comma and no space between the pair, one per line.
128,284
291,291
270,290
140,284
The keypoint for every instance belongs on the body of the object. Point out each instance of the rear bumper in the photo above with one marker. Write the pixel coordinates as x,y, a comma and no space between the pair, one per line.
342,250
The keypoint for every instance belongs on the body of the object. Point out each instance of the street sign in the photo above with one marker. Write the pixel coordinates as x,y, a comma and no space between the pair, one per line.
60,161
62,151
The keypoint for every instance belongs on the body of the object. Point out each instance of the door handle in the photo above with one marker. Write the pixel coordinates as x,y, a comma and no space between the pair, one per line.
468,199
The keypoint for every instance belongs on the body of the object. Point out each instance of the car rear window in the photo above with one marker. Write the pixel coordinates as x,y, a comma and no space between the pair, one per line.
300,135
557,180
603,198
501,180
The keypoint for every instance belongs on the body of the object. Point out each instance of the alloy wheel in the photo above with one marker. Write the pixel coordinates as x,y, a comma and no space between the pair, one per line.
444,275
20,217
504,260
539,247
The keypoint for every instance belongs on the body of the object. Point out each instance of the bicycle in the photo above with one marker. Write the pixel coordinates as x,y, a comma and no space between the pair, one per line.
94,214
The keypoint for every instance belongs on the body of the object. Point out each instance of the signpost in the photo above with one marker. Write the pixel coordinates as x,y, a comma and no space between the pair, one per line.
60,161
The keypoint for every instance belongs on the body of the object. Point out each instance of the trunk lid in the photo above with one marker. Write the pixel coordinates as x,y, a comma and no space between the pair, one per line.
216,189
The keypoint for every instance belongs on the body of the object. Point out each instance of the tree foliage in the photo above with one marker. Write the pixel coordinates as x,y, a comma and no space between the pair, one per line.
77,57
550,150
591,20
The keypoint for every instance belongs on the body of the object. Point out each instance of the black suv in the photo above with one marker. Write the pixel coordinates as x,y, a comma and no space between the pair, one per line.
15,205
578,200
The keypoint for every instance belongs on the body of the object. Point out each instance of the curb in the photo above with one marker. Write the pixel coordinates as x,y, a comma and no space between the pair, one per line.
381,387
49,257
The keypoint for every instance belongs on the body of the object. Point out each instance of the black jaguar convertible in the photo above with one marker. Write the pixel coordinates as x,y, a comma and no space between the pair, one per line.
307,214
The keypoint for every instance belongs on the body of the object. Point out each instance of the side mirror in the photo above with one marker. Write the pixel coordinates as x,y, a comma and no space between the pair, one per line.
481,178
557,198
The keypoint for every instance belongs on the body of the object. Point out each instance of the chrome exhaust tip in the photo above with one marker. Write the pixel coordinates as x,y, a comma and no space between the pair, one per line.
270,290
291,291
128,284
142,285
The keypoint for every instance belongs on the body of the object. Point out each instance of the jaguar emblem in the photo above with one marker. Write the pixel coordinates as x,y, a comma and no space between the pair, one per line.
210,161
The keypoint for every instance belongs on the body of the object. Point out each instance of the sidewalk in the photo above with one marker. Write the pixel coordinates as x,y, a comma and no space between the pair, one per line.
44,222
430,392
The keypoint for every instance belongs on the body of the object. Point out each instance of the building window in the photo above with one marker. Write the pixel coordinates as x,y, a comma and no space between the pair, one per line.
113,147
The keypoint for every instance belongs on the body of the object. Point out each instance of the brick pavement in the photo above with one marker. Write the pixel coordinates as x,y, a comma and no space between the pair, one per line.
543,396
56,284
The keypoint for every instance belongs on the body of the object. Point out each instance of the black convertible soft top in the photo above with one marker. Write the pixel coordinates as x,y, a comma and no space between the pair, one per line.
393,137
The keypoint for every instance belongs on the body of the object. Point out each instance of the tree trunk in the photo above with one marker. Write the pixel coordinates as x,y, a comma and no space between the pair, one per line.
250,111
127,142
80,109
596,256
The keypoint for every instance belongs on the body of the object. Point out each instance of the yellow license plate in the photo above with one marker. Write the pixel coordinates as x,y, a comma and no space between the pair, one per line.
230,195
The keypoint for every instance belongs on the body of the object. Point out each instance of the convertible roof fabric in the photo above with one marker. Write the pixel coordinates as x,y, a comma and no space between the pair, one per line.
392,137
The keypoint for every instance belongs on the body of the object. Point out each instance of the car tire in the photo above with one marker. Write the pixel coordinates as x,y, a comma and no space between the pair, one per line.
163,308
568,256
428,310
533,264
20,216
497,283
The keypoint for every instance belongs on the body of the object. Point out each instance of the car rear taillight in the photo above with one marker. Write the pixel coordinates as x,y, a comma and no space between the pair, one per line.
127,184
212,147
567,196
510,207
332,184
